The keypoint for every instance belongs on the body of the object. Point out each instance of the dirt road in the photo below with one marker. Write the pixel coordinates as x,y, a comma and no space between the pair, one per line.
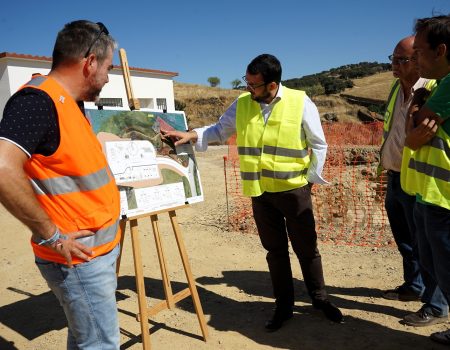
234,287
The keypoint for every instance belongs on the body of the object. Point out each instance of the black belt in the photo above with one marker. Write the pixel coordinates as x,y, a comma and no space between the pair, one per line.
393,173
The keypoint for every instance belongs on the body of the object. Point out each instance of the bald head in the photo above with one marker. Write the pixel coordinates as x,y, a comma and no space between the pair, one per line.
406,44
403,65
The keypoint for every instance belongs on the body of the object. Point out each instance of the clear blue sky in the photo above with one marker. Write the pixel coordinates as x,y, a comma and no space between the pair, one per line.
200,39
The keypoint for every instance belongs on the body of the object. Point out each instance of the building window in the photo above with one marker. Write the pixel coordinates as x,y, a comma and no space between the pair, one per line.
147,103
161,103
109,102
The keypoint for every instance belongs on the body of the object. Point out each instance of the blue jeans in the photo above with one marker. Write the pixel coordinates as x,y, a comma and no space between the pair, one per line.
433,234
87,294
399,208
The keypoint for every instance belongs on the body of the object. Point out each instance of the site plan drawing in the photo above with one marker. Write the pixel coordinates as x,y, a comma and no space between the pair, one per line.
152,174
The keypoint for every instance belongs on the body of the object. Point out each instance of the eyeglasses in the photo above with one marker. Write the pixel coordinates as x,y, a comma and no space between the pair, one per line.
103,29
400,60
251,86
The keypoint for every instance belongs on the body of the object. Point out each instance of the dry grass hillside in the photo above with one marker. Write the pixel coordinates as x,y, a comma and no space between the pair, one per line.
203,105
374,87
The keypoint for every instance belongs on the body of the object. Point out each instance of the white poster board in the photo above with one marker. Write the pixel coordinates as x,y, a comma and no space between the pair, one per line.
152,174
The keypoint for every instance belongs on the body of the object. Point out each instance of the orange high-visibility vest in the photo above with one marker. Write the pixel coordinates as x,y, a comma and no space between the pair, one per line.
74,185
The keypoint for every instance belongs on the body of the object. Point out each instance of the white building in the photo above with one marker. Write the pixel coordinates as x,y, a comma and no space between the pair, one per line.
153,88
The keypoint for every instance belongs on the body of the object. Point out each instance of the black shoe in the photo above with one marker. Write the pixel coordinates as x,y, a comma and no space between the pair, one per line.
330,310
278,318
401,293
441,337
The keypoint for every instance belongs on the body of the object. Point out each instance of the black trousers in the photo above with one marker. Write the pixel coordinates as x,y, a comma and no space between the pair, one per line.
286,214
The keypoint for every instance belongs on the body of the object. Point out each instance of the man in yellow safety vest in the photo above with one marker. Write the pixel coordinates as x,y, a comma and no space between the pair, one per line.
282,151
426,168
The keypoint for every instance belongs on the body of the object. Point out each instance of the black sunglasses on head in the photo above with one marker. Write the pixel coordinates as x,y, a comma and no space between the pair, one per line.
103,29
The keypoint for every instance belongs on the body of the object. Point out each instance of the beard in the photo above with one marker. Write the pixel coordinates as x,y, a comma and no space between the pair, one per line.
262,98
92,93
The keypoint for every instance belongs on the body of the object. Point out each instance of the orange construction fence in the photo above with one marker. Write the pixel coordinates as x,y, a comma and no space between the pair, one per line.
348,210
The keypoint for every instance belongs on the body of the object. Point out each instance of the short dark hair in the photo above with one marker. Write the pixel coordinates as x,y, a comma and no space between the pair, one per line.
268,66
76,38
437,30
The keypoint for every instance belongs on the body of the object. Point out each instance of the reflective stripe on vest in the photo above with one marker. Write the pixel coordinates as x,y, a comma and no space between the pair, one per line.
436,144
430,170
272,174
285,152
426,171
67,184
277,151
246,175
102,236
36,81
282,174
249,151
273,156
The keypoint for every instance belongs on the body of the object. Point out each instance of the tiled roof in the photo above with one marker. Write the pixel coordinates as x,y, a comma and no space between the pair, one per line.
49,59
26,57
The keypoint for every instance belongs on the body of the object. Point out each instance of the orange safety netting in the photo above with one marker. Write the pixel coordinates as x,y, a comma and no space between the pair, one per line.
349,210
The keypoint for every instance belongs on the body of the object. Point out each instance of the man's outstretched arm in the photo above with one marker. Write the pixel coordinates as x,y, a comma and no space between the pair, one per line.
180,137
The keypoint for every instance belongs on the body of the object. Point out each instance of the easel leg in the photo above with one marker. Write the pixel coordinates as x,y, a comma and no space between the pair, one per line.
140,286
187,270
162,263
123,224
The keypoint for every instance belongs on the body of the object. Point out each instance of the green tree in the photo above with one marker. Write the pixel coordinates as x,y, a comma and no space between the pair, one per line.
236,83
214,81
314,90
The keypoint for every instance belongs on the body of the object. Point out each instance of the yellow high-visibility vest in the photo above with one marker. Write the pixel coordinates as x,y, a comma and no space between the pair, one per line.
395,88
426,171
273,156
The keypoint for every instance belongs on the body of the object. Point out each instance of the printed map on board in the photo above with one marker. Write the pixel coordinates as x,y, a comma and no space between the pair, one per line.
152,174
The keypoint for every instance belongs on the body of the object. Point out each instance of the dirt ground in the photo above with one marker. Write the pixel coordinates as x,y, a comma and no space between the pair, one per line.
233,284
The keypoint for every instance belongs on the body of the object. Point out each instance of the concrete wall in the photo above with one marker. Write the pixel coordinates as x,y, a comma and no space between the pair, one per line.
4,86
145,86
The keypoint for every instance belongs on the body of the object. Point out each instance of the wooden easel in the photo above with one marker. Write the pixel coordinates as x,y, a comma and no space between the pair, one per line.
171,299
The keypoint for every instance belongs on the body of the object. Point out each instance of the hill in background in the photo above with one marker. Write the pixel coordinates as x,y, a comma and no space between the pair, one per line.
364,102
336,80
203,105
374,87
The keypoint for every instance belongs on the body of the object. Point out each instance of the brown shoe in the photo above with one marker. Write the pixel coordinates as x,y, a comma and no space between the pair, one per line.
423,318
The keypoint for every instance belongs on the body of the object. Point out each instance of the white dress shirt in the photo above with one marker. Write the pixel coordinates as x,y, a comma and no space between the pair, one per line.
311,129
